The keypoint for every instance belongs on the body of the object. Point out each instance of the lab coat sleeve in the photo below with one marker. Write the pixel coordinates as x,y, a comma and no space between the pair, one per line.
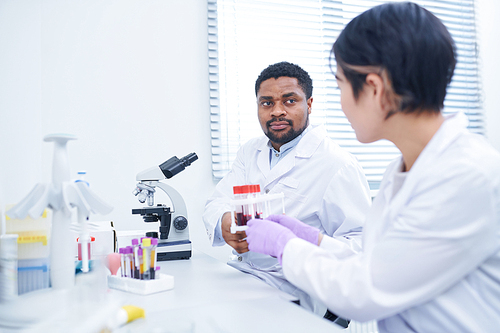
344,208
447,229
218,203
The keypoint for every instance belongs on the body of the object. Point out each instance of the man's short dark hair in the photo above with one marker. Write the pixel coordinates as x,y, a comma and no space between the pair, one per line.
410,43
287,69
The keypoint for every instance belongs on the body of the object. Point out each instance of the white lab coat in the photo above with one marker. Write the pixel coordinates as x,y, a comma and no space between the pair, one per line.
324,186
430,260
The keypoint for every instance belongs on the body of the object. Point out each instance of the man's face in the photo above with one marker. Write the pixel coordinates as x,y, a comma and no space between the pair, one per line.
283,109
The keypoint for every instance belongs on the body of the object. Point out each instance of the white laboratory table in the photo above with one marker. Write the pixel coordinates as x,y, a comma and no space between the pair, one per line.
210,296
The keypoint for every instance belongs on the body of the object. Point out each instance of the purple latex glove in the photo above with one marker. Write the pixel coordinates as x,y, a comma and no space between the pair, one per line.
300,229
268,237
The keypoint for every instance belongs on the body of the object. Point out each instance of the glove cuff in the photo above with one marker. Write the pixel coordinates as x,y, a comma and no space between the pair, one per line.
284,237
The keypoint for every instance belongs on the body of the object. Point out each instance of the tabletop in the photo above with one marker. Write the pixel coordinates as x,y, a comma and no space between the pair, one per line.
210,296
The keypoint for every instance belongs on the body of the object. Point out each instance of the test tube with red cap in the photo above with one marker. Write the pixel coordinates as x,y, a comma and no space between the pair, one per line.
240,192
255,189
248,209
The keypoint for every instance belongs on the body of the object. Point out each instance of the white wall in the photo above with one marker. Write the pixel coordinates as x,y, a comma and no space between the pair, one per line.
129,78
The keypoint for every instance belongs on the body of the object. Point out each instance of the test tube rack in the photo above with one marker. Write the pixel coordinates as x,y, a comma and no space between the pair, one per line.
142,287
252,202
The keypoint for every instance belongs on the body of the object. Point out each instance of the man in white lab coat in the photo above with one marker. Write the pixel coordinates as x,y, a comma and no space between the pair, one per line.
324,186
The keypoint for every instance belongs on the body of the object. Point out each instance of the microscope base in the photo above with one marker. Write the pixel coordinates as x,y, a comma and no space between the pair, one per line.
173,250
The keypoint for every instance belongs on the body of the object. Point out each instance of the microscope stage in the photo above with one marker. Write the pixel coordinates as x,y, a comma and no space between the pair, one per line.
173,250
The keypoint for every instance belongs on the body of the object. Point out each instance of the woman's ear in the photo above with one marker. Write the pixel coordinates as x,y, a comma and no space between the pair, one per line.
381,91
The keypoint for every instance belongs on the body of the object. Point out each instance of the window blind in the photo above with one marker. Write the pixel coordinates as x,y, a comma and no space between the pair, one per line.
246,36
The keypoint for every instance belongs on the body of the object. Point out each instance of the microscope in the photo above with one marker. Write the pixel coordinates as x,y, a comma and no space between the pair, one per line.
173,243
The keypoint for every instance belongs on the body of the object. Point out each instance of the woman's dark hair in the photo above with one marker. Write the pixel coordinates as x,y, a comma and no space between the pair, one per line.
407,41
286,69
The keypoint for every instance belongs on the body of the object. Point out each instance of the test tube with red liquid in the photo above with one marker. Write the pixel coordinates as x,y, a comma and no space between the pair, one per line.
243,211
249,203
257,207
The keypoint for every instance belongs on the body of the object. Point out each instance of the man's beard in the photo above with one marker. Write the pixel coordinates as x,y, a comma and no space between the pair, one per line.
286,137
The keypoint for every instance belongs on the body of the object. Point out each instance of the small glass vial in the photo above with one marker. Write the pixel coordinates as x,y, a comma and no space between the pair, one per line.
255,189
135,252
154,244
146,259
238,194
121,251
129,261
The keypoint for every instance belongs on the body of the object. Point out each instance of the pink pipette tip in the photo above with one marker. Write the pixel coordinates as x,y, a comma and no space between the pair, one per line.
113,262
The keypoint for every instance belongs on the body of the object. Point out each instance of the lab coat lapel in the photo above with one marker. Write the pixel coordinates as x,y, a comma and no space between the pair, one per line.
304,149
386,207
381,208
449,130
263,160
283,166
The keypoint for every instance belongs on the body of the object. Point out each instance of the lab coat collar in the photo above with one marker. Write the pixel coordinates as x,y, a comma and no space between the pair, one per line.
452,127
304,149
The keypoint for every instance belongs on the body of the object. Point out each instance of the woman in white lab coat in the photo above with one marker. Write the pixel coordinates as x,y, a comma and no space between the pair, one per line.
431,241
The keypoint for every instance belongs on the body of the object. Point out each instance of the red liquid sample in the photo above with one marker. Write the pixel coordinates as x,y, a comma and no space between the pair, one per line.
242,219
239,219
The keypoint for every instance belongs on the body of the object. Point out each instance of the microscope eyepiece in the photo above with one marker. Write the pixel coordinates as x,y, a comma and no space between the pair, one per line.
174,165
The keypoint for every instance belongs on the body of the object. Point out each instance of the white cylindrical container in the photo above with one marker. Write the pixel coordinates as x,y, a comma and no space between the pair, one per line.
8,267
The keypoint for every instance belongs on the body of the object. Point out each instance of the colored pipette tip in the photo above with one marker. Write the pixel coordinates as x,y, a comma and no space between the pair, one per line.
113,262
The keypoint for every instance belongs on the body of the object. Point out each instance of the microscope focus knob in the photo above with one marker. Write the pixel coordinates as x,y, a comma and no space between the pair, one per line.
180,223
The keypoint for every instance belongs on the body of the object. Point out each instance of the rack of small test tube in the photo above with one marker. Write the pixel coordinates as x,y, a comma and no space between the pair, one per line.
138,261
249,203
139,273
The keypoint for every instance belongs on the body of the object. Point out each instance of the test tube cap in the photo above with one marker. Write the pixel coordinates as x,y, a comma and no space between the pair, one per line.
237,190
92,239
135,241
146,242
121,250
154,241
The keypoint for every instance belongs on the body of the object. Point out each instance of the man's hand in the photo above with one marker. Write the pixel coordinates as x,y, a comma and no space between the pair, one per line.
234,240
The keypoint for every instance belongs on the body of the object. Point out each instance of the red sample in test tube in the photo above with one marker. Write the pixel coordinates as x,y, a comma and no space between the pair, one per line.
257,206
237,191
246,212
